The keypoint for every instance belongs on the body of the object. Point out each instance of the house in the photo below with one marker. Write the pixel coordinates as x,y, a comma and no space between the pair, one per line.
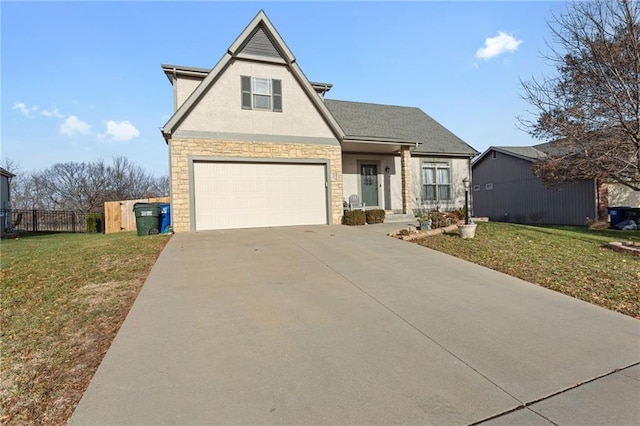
253,143
5,199
506,189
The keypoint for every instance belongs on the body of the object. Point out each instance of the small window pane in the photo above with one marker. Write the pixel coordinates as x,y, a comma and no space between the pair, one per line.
246,100
430,192
262,102
443,192
429,175
246,83
443,176
262,86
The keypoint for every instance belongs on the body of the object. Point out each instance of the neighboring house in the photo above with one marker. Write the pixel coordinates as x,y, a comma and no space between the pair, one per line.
5,199
253,143
506,189
5,188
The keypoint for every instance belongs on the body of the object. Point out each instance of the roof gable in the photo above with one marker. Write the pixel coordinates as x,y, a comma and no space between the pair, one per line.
258,41
260,44
527,153
6,173
399,124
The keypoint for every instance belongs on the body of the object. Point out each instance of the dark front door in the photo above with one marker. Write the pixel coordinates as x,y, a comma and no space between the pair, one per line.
369,179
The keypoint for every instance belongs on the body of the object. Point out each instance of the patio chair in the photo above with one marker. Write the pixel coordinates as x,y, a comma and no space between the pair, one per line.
354,203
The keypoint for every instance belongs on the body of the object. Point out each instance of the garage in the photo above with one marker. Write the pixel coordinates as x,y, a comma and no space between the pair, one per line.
231,195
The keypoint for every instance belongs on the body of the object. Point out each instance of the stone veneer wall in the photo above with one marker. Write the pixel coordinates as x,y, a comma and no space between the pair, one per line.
405,164
181,149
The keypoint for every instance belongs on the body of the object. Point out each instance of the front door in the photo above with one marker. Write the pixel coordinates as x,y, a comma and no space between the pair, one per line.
369,183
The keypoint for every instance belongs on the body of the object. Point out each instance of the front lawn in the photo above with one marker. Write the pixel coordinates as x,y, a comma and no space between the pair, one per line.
571,260
63,298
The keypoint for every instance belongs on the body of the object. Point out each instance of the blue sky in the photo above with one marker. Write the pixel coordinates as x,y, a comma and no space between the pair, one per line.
82,80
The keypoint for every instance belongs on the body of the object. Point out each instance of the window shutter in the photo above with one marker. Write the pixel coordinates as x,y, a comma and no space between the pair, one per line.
277,95
246,92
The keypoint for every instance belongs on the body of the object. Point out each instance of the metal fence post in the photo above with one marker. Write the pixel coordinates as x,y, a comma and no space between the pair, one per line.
34,218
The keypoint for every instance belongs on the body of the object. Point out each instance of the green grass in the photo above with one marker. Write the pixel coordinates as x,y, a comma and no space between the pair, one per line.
63,298
570,260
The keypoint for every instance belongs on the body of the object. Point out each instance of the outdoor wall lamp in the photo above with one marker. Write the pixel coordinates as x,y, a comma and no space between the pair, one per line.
386,170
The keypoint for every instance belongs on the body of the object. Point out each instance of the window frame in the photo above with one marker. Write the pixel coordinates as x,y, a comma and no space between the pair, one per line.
250,92
436,165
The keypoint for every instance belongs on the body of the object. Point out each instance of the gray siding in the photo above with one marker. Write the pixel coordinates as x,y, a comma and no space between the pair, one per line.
519,196
4,190
259,44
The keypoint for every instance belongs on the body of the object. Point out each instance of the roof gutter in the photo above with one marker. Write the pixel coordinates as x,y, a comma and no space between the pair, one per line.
378,140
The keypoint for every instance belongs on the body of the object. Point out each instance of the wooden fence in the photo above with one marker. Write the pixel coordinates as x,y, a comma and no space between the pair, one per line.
119,216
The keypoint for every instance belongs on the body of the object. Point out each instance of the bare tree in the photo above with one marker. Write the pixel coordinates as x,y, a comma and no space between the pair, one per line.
86,186
590,110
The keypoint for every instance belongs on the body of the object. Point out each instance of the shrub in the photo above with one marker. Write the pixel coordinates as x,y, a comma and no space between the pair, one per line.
440,220
374,216
94,222
354,217
457,215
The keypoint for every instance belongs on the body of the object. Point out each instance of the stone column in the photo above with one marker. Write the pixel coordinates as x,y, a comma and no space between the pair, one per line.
405,164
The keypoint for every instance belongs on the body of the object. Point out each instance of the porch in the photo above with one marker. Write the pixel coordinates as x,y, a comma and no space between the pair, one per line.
401,181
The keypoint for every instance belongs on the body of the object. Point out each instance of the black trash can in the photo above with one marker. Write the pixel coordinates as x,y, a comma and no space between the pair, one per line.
147,218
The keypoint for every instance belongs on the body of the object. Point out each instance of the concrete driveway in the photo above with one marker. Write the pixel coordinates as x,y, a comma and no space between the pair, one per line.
341,325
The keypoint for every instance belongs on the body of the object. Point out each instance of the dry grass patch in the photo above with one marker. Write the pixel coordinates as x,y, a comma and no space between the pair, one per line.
570,260
63,299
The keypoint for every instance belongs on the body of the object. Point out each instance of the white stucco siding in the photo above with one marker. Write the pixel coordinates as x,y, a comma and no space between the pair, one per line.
390,191
620,195
459,170
220,108
183,87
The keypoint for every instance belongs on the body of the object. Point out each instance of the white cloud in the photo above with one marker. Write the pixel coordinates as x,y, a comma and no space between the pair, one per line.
25,109
74,126
496,46
53,113
121,131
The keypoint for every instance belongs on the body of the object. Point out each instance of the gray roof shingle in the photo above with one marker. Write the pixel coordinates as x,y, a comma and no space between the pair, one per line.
528,152
396,123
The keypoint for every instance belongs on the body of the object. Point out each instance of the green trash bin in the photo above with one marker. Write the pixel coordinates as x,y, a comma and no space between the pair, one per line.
147,218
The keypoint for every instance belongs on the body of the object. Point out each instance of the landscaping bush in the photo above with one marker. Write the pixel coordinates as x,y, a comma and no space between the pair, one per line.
94,223
457,215
354,217
375,216
440,220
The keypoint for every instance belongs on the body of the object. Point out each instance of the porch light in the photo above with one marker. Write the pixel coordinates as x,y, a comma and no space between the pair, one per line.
386,170
466,182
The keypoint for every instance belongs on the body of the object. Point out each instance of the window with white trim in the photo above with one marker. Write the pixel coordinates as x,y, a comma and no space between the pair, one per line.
261,93
436,181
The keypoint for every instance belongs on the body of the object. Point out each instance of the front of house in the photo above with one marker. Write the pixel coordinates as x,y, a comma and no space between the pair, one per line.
254,143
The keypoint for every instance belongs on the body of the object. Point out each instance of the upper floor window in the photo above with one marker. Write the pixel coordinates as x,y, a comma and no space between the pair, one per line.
436,181
261,93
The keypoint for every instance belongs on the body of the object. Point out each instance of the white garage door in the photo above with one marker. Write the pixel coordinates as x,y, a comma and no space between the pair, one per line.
253,195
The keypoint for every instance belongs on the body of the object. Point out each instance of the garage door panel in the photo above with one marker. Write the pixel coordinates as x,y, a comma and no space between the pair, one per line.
244,195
